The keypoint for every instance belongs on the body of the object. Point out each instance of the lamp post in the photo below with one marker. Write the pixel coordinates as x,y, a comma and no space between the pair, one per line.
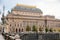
3,19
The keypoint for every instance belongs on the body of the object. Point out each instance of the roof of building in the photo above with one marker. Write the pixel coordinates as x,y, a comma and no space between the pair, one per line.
50,16
27,8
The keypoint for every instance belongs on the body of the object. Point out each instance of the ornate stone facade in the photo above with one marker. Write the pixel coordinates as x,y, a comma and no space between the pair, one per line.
23,15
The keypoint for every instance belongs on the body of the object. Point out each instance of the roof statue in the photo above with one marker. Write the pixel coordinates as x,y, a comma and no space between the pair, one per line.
26,5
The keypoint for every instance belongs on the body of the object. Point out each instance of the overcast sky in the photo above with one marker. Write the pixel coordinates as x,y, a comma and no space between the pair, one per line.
49,7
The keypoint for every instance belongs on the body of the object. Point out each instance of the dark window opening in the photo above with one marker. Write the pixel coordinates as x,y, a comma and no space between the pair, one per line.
22,29
10,24
16,30
19,29
7,18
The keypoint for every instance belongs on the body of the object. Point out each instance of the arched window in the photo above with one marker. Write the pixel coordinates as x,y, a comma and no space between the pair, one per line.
18,25
22,29
16,30
19,29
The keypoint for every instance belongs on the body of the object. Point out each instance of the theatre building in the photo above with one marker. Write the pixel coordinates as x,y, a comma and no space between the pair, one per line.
23,15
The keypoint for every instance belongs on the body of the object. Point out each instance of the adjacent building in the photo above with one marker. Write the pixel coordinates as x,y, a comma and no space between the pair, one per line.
23,15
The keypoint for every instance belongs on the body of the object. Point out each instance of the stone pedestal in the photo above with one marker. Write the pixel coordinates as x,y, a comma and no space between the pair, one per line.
17,39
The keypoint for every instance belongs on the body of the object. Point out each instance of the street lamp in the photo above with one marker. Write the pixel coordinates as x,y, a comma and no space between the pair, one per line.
3,19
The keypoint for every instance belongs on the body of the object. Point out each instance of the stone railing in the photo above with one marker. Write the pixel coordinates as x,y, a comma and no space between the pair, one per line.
34,36
41,36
